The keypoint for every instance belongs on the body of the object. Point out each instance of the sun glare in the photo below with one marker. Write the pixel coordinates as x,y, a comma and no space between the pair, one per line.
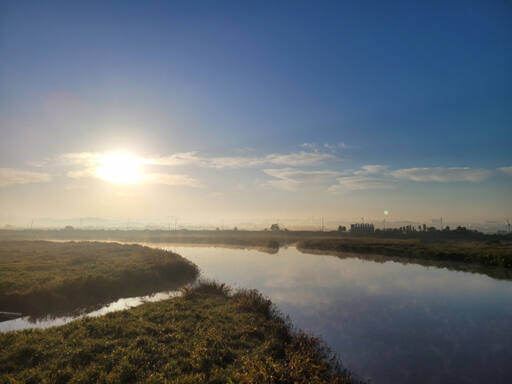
120,168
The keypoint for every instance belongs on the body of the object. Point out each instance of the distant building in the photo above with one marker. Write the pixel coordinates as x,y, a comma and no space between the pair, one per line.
362,227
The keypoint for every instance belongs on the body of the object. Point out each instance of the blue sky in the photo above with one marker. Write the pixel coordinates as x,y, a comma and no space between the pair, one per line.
421,93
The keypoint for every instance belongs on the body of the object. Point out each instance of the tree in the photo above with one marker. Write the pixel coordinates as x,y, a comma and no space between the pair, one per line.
274,227
342,228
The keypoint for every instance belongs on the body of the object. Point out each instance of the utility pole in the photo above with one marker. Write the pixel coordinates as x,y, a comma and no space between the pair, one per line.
322,223
172,218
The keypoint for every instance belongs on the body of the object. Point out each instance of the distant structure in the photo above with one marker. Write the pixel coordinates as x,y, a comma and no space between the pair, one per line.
362,227
438,223
274,227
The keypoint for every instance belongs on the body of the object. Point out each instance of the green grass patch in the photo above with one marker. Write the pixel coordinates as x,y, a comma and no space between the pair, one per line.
209,335
492,254
39,277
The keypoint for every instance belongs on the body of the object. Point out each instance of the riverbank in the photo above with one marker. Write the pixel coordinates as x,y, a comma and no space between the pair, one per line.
40,277
210,334
489,254
458,246
266,240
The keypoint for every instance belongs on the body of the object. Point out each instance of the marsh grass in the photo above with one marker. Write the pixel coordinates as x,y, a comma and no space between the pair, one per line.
491,254
258,239
39,277
461,246
209,335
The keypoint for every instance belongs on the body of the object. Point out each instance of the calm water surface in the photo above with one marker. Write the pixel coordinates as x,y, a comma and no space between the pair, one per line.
390,322
52,321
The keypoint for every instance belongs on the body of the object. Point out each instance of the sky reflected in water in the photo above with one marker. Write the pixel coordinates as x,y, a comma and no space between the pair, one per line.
27,322
387,321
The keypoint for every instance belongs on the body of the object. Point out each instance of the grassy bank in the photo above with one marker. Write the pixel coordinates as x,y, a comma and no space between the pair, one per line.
252,239
492,254
207,336
456,246
39,277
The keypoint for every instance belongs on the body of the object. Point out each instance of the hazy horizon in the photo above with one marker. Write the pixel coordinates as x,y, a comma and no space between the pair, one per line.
172,223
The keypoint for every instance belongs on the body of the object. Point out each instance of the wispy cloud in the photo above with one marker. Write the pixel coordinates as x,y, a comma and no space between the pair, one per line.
287,170
150,178
379,176
371,170
302,158
336,146
175,159
442,175
170,179
507,170
90,162
310,146
232,162
291,178
299,158
10,176
333,147
372,176
354,183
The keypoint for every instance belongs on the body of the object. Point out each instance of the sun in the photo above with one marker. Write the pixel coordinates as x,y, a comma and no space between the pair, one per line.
122,168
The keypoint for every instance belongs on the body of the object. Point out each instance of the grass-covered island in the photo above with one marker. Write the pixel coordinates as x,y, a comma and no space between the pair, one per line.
209,335
40,277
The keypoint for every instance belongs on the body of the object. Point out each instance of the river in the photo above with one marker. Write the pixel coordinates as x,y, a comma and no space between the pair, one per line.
389,322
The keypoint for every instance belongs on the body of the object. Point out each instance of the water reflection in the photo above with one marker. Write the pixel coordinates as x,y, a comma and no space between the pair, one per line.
388,321
51,321
391,322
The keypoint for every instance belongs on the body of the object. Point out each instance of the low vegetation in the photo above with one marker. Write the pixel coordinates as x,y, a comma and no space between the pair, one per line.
266,240
486,253
457,246
209,335
40,277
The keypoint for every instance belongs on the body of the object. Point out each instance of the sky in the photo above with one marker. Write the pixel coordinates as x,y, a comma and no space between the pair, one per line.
252,112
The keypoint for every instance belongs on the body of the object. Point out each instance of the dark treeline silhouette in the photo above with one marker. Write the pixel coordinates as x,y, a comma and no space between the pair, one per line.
239,236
